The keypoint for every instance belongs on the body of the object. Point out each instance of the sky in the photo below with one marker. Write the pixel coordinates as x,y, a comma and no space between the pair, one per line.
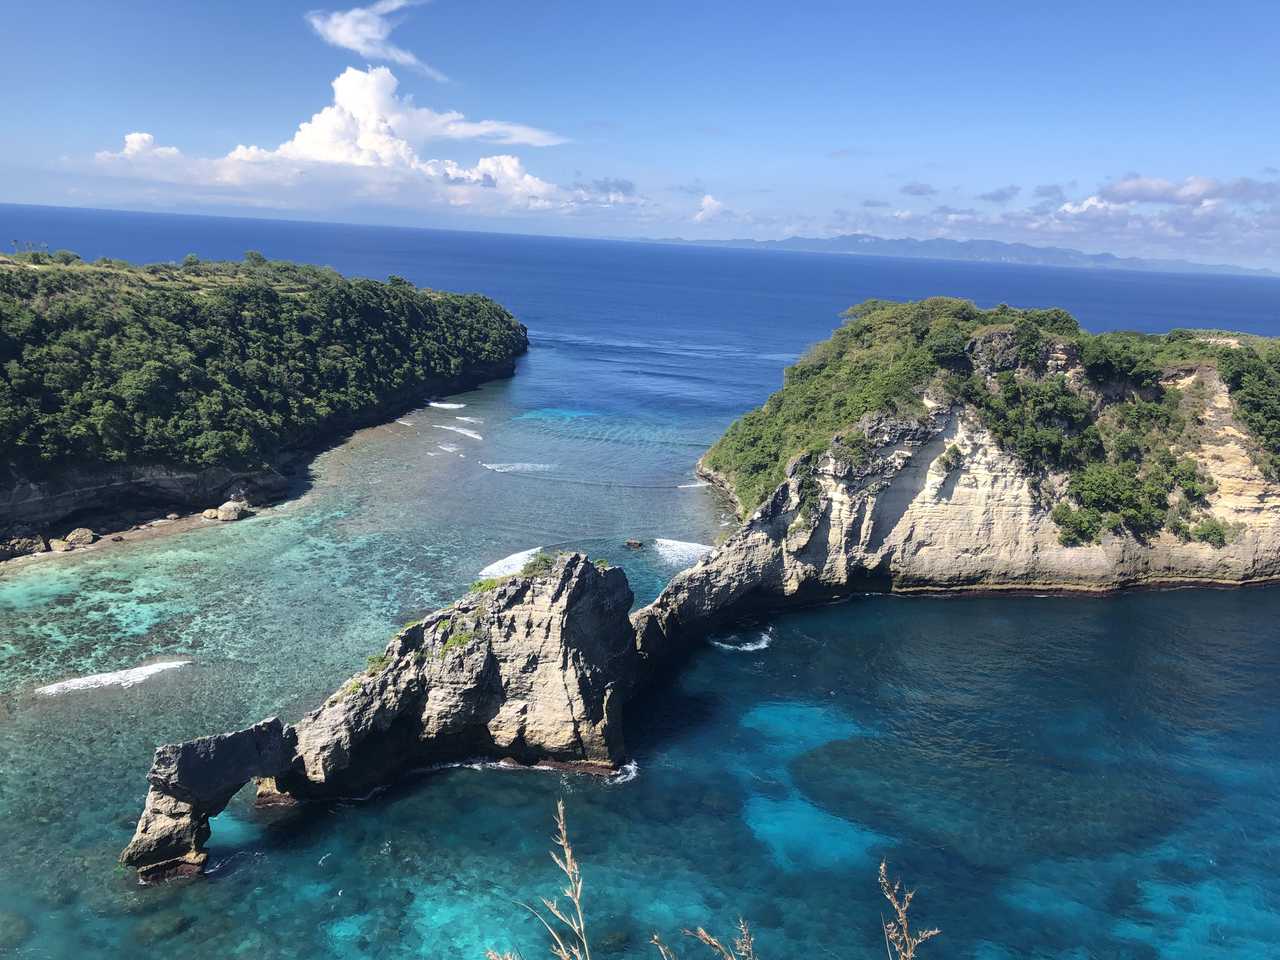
1140,129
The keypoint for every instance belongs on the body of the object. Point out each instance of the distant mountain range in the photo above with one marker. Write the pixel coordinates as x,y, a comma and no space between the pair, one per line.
984,251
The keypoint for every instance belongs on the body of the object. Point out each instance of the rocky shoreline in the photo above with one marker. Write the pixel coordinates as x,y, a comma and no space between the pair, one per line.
539,667
123,500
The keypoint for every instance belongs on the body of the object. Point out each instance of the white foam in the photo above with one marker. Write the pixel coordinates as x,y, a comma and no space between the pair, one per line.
449,447
119,678
446,406
462,430
469,419
509,565
692,486
750,646
681,552
628,773
405,422
518,467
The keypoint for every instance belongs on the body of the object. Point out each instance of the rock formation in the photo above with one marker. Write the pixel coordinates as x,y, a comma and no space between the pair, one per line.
534,669
937,505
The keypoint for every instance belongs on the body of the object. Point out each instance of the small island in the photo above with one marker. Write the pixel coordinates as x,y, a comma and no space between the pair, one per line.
176,386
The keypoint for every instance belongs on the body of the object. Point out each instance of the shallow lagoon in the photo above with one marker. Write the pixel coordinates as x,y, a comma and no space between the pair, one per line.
1061,777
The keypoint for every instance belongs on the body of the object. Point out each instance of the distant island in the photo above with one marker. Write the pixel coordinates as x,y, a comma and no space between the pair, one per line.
973,251
173,385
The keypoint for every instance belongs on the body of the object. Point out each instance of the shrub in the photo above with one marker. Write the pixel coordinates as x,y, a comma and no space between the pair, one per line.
1212,531
376,663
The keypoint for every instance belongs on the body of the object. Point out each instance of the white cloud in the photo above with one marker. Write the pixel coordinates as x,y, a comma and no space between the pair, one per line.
365,145
367,31
708,209
138,146
1191,191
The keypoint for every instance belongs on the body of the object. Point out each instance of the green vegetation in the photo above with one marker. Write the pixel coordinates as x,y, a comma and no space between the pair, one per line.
488,583
376,663
456,641
1092,407
217,362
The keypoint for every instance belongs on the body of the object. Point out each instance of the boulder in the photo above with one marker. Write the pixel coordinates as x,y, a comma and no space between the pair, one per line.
81,537
60,546
21,546
233,510
210,514
172,516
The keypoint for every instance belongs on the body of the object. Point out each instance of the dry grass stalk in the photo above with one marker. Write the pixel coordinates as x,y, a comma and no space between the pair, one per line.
744,947
897,932
569,943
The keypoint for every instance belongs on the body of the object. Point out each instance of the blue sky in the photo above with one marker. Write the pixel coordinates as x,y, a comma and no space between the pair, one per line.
1141,129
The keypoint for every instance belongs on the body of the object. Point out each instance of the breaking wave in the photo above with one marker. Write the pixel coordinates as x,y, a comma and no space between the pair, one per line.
509,565
747,646
446,406
681,552
469,419
690,486
119,678
449,447
519,467
462,430
628,773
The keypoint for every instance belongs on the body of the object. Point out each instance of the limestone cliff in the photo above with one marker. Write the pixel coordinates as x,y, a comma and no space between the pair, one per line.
938,505
535,669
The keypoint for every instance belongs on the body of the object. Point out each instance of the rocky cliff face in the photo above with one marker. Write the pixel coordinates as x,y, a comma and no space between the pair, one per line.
35,508
536,669
937,505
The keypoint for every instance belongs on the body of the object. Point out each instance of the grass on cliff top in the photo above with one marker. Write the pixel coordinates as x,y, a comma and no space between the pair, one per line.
216,363
1123,441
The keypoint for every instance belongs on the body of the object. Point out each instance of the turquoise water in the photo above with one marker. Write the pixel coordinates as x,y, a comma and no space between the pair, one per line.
1061,777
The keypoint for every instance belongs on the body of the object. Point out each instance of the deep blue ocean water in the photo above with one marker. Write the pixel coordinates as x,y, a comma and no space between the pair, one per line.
1061,777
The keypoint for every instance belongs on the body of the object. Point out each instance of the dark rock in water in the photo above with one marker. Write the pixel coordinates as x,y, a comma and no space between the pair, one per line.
634,545
117,539
162,926
535,669
15,930
992,805
22,545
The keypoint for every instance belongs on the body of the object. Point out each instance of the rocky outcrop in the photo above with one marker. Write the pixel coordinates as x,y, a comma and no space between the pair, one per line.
938,505
535,669
231,510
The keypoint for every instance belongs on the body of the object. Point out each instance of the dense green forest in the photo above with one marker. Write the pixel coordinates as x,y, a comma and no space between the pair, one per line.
204,363
1121,437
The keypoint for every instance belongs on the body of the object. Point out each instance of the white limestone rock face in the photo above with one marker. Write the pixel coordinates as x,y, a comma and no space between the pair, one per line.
914,518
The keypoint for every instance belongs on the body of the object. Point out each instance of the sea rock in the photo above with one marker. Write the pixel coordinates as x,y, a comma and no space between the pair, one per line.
22,545
210,514
193,781
80,537
535,669
15,930
233,510
633,545
60,546
172,516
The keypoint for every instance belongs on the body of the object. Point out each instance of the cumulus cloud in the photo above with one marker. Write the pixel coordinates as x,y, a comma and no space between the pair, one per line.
367,31
918,189
1000,194
368,137
708,209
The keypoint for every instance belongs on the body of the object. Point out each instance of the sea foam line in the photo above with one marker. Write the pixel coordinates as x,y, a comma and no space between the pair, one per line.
446,406
751,646
462,430
681,551
511,564
469,419
118,678
629,772
692,486
519,467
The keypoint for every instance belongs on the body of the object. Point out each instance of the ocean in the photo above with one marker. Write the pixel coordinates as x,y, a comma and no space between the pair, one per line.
1059,777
